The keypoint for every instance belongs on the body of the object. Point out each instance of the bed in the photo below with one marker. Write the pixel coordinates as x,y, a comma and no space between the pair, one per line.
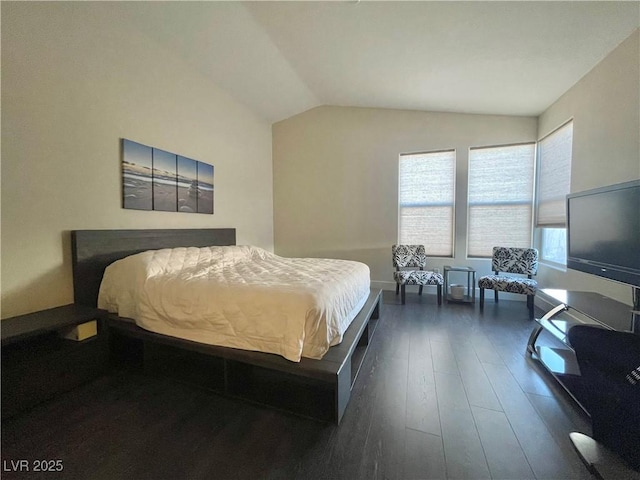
314,380
238,296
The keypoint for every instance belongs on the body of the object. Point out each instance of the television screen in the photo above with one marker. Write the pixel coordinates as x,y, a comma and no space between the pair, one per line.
604,232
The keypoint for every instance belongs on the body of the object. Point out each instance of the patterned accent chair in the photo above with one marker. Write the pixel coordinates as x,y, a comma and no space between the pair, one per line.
413,257
519,261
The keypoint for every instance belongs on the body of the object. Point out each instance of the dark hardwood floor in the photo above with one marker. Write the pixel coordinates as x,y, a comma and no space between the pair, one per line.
444,393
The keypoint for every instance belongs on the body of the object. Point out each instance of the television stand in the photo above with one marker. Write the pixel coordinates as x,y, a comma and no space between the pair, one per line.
586,308
575,308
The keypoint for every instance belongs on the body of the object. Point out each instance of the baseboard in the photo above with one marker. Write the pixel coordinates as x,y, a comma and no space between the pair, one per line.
432,290
391,286
384,285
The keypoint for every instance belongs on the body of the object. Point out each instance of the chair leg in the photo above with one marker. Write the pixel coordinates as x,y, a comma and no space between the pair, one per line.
402,293
439,294
397,288
495,295
420,290
530,305
481,298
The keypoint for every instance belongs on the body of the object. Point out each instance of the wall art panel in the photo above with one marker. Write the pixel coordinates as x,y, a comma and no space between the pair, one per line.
154,179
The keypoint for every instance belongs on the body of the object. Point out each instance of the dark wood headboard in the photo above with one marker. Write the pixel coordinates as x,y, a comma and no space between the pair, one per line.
94,250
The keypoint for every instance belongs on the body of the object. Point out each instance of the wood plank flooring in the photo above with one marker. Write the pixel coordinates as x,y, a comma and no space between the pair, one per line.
444,392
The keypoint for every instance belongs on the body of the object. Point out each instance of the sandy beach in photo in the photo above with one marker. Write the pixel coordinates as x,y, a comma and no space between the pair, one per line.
205,202
187,202
165,197
137,191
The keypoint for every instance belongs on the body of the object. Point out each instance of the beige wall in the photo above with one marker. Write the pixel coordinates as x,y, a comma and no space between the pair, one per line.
76,78
336,178
605,107
335,168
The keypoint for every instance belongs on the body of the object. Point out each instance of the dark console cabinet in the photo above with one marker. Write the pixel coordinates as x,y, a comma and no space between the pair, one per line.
38,362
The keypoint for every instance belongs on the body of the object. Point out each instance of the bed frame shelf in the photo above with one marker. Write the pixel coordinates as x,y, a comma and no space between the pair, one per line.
314,388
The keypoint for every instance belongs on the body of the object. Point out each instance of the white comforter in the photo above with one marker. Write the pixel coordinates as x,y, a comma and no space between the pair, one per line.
238,296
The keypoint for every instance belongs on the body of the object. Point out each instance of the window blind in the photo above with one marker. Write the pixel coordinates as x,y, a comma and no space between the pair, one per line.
554,176
500,198
426,201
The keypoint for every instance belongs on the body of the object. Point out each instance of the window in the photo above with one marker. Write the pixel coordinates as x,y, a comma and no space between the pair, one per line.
554,183
500,198
426,201
553,245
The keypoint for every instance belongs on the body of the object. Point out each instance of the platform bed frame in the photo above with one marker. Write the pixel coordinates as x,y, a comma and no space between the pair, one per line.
319,389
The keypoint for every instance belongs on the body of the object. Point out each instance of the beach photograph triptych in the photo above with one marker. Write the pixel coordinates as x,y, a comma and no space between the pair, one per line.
154,179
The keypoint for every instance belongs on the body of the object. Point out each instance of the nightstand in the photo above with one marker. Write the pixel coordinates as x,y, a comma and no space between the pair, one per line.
42,356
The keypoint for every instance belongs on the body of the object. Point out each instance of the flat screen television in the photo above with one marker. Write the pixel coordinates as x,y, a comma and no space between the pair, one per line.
603,232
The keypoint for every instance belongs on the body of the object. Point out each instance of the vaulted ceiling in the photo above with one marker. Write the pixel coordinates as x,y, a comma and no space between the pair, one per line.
282,58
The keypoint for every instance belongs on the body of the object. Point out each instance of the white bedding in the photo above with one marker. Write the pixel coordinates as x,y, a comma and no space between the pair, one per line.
239,296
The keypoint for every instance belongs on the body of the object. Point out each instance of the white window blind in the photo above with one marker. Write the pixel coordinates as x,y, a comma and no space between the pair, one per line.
554,176
500,198
426,201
